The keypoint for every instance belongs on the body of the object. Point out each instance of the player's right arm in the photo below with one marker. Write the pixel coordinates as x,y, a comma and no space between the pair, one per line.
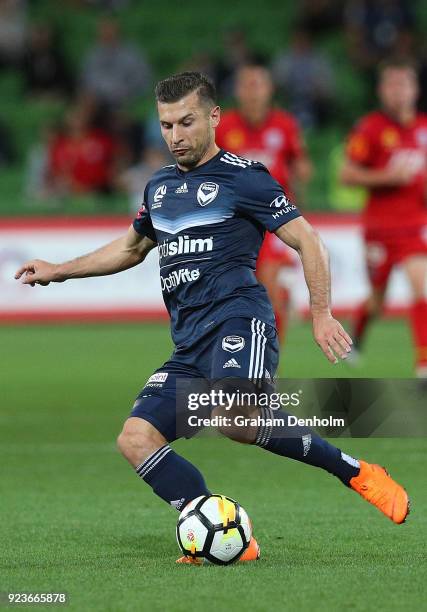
121,254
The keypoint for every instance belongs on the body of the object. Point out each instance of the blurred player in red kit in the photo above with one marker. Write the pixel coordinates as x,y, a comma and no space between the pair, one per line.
83,158
387,154
257,130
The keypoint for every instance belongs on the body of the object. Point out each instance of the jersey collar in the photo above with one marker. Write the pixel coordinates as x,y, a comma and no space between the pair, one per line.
195,170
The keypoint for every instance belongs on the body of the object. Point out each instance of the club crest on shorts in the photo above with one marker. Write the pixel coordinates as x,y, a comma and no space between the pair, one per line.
207,193
232,344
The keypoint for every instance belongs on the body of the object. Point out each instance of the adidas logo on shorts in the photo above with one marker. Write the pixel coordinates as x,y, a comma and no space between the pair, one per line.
231,363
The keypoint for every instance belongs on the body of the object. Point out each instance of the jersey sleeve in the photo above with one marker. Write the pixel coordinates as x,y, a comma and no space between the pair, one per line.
360,147
262,198
142,222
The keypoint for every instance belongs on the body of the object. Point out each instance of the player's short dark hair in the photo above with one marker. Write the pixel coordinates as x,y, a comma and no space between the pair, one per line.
397,63
178,86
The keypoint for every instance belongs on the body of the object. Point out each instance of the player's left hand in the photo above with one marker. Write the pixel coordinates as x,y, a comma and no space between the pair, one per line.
331,337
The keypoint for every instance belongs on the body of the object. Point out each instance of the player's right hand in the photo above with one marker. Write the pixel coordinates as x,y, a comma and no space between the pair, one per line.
38,272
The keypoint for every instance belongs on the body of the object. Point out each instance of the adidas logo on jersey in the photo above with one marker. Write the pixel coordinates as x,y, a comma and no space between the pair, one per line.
182,189
231,363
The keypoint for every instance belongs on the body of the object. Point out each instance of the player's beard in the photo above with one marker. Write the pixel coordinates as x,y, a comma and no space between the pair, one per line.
193,156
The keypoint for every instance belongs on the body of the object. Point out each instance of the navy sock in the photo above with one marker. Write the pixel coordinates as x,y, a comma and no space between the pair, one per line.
172,477
303,444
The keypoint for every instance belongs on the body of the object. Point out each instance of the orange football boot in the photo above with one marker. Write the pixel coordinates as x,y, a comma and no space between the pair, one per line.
378,488
252,553
191,560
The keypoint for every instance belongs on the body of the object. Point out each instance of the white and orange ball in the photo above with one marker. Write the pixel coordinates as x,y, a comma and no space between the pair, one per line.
214,528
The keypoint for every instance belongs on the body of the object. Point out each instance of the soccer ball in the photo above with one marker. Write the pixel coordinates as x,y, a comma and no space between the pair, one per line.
214,528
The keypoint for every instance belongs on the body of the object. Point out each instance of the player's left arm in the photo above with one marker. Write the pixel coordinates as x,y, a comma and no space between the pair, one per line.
262,198
328,332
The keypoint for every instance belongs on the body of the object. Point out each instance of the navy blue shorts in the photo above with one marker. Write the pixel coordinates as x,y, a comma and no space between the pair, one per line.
237,349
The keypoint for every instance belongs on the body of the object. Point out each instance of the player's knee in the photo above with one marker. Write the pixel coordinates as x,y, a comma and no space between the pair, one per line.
135,447
126,442
138,440
131,446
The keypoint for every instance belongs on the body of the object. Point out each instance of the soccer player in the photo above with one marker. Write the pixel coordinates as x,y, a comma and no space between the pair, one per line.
386,154
207,215
258,130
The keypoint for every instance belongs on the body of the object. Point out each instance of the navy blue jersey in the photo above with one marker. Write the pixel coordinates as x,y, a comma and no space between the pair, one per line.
209,224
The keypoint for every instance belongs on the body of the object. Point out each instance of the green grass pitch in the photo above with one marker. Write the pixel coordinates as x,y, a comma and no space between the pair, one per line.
75,518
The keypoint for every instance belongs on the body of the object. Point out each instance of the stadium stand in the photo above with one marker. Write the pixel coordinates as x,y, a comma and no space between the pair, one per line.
168,39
